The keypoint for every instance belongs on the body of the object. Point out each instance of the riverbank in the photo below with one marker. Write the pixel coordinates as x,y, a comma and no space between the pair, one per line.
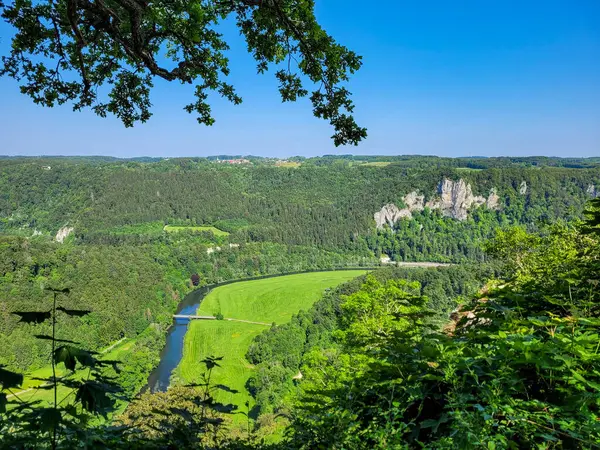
271,300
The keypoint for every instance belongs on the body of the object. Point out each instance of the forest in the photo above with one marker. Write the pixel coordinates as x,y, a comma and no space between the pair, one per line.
497,349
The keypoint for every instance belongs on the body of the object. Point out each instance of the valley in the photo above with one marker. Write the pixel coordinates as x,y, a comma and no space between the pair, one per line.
271,300
163,288
128,246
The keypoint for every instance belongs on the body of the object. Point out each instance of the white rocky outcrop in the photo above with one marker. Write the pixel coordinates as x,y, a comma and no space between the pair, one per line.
523,188
390,213
63,233
592,191
414,201
211,250
454,199
493,200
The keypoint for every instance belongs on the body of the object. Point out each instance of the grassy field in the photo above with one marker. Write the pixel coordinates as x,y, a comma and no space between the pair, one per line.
468,169
213,230
377,164
272,299
220,338
30,390
292,164
268,300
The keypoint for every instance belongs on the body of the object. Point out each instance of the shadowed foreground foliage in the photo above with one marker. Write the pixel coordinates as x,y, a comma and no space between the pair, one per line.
520,370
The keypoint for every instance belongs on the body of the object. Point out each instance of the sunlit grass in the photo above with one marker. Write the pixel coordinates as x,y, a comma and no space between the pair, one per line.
268,300
272,299
213,230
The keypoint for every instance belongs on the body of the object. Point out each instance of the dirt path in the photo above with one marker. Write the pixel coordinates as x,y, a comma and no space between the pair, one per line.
249,321
106,350
424,265
194,317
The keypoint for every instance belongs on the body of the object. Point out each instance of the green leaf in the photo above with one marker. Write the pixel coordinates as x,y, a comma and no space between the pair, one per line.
10,379
50,338
211,362
222,387
429,423
49,418
69,356
59,291
93,396
3,401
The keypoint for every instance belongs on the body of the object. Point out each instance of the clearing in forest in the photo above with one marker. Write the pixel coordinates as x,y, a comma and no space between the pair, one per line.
272,299
268,300
213,230
377,164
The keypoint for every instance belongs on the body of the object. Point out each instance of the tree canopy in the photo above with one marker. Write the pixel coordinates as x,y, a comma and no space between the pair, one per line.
106,54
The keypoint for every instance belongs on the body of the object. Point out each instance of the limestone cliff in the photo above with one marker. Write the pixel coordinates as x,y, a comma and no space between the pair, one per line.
523,188
454,199
63,233
493,200
390,214
593,191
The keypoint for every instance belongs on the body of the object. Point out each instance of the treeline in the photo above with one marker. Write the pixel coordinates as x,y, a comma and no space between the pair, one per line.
517,367
279,353
128,288
329,206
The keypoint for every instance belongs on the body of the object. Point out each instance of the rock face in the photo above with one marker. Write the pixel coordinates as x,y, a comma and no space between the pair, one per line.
390,214
414,201
493,200
455,198
593,191
63,233
523,188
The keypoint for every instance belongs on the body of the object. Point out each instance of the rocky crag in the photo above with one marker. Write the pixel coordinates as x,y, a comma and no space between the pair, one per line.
63,233
454,199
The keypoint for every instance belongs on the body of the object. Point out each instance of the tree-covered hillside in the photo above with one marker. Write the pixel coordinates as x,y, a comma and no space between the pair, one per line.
329,206
136,236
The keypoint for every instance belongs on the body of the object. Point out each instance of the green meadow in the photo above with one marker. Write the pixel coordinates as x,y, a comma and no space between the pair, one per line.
213,230
377,164
33,389
220,338
268,300
272,299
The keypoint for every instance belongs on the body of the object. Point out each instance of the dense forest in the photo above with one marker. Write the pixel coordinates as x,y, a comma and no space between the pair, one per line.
330,206
125,240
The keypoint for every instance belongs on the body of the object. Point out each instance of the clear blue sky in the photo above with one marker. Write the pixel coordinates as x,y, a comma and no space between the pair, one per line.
452,78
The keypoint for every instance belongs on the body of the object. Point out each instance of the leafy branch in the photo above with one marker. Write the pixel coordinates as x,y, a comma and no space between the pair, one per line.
66,50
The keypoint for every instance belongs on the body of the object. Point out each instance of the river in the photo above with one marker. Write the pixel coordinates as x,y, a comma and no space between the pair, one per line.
171,355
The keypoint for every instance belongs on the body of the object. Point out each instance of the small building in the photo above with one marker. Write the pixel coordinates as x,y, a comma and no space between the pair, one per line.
385,259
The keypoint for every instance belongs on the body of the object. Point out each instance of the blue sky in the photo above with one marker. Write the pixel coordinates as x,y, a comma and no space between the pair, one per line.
451,78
